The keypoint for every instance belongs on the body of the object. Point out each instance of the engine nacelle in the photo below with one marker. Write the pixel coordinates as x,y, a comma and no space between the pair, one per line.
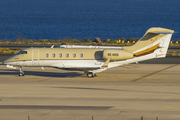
117,54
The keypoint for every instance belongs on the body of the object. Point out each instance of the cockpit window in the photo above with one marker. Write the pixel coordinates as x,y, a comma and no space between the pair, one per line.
24,52
19,52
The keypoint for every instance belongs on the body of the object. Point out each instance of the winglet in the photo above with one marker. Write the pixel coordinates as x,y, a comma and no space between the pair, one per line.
106,63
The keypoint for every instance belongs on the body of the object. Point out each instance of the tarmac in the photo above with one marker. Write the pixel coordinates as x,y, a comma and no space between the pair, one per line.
123,93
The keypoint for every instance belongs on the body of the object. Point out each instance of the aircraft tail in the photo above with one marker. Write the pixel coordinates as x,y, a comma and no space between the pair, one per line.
156,40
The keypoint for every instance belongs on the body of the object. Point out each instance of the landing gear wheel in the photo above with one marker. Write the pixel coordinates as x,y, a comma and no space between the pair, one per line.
90,74
95,75
21,72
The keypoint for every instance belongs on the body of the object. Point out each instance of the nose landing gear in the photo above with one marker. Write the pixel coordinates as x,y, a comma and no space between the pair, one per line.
21,72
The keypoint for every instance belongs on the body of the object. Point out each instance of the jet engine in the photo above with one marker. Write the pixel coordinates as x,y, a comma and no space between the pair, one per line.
116,54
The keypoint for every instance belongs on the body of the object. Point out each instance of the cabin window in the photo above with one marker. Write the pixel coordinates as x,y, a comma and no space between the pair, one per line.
24,52
67,55
60,55
74,55
47,55
53,55
81,55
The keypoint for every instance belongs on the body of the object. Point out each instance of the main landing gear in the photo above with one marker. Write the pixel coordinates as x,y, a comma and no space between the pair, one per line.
21,72
91,74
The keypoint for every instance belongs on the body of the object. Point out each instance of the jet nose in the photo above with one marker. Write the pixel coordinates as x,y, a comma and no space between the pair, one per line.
5,61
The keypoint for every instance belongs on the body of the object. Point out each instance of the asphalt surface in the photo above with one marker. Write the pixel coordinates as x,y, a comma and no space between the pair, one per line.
23,46
54,107
123,93
5,56
166,60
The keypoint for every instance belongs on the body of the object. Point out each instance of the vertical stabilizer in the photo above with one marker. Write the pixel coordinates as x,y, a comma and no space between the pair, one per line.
156,40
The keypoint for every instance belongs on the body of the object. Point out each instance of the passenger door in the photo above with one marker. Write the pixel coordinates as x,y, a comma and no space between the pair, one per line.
35,57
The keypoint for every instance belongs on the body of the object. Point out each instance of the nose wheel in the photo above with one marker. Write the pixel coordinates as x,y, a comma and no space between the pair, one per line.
21,72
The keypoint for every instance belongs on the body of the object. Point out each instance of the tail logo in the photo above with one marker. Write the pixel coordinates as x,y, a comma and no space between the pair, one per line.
147,51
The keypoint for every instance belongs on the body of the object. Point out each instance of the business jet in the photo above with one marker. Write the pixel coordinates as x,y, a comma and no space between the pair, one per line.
94,59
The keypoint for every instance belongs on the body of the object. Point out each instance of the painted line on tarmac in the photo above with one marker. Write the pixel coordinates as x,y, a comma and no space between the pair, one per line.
154,73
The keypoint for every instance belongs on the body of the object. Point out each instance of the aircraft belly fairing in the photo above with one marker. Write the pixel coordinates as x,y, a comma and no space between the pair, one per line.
77,63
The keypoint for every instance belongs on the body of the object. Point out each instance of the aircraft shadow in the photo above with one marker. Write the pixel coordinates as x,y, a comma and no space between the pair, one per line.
55,107
83,88
43,74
